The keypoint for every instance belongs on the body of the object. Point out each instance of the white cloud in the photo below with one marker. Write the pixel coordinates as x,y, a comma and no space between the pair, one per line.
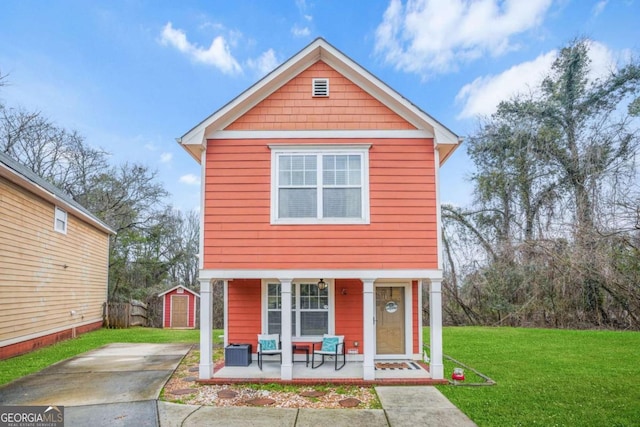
166,157
298,31
265,62
189,179
599,7
602,58
218,54
429,37
482,96
302,30
150,146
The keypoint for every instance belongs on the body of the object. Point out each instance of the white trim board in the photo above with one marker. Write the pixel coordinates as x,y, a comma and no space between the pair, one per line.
319,134
431,274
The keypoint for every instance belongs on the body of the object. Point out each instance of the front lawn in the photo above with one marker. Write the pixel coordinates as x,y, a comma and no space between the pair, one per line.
19,366
547,377
544,377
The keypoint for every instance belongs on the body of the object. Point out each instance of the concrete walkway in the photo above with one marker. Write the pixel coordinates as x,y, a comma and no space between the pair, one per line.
403,406
119,384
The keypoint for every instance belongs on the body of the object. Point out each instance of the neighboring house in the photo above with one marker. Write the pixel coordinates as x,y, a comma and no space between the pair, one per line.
321,173
179,308
54,261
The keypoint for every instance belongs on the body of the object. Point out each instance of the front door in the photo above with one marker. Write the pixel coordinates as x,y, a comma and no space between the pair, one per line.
179,305
390,319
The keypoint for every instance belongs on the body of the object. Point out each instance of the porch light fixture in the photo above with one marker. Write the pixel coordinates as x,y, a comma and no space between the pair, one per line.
321,285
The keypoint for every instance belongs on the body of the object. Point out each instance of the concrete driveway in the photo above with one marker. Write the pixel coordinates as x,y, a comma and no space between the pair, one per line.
117,384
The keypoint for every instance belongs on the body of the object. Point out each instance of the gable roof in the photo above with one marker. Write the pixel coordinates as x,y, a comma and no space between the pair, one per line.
29,180
194,141
180,286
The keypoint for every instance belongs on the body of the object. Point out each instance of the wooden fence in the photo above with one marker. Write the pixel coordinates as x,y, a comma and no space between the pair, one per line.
125,314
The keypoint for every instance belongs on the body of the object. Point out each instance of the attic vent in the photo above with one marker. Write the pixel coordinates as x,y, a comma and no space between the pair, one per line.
321,87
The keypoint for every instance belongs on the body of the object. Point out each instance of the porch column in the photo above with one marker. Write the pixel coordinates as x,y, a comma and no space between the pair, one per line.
206,330
435,322
286,369
368,330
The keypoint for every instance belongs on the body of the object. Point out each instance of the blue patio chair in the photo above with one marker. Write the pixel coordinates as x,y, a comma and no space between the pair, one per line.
269,345
331,345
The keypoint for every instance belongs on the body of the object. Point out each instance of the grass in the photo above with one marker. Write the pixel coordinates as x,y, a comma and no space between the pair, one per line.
544,377
547,377
20,366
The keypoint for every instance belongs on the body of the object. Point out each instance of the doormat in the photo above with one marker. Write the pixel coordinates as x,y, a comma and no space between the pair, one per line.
394,366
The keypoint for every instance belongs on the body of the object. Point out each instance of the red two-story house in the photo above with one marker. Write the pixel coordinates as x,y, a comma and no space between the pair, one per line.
320,213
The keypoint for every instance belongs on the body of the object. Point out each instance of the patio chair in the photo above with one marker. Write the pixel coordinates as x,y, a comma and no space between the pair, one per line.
331,345
269,345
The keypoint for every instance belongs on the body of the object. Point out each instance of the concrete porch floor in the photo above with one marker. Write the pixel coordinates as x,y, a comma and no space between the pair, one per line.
351,374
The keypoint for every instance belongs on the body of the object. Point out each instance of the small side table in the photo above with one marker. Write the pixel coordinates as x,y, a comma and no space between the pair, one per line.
300,348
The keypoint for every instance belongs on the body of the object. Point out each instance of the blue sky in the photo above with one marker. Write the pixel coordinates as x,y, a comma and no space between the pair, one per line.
132,76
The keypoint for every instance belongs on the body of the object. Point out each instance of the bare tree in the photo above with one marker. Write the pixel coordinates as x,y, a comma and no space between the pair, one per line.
553,233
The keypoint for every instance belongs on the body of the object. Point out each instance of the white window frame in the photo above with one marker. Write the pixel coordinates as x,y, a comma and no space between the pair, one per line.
361,150
296,284
60,215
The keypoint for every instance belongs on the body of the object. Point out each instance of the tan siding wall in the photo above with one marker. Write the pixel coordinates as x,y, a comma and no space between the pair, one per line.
37,293
401,235
292,107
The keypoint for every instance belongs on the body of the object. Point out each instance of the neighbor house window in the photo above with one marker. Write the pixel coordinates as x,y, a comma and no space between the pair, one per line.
60,221
320,185
310,309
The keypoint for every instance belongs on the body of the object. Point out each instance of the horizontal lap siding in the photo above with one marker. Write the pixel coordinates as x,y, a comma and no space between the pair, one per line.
401,235
37,293
244,311
348,309
417,312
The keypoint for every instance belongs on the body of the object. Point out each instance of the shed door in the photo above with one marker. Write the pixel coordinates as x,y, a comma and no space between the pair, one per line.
179,312
390,320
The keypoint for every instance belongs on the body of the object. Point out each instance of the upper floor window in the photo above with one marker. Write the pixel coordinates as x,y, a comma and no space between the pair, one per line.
60,221
320,185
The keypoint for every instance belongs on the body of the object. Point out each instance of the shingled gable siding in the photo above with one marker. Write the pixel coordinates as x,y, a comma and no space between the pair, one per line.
292,107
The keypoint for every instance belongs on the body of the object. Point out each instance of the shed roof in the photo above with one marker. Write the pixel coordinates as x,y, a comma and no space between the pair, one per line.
179,286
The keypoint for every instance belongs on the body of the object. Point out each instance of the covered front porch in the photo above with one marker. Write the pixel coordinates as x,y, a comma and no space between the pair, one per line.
357,307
